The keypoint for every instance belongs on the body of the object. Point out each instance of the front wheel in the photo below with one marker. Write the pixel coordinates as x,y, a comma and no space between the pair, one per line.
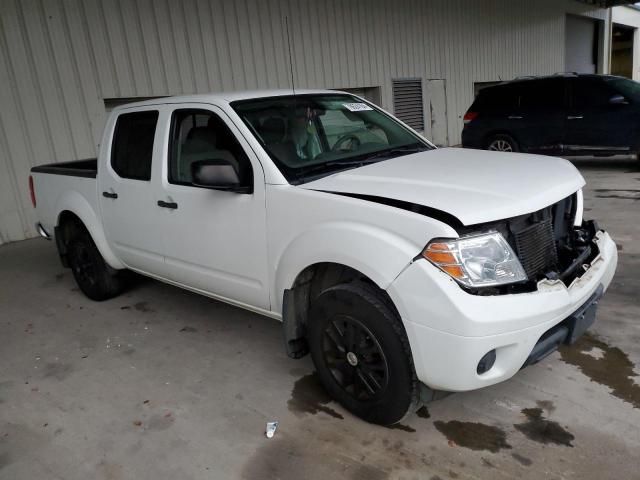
502,143
94,277
361,353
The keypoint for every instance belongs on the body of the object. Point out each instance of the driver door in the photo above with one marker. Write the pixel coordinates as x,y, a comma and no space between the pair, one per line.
214,241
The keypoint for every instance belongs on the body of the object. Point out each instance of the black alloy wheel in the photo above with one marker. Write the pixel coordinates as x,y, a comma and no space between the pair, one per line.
355,358
361,352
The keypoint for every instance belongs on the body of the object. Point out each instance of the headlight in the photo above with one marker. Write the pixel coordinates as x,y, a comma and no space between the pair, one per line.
476,261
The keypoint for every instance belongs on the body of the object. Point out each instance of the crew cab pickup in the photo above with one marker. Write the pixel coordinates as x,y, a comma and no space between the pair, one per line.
403,269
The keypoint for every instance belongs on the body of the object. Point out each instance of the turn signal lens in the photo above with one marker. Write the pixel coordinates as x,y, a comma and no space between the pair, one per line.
439,253
454,270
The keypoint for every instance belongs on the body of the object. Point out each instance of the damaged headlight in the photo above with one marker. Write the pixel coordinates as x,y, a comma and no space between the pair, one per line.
476,261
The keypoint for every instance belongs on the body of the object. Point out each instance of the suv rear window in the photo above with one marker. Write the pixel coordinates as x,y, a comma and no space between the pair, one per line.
496,99
132,149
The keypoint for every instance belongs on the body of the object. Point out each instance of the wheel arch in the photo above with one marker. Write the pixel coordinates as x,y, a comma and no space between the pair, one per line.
308,284
74,207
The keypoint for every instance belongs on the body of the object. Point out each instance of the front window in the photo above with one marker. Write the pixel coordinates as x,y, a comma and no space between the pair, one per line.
628,88
312,135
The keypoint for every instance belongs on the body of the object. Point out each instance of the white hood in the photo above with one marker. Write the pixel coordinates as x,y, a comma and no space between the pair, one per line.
473,185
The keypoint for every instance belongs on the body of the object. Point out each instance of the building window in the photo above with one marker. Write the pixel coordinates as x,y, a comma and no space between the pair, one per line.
408,103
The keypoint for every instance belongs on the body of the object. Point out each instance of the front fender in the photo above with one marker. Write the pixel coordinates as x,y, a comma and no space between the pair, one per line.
377,253
75,203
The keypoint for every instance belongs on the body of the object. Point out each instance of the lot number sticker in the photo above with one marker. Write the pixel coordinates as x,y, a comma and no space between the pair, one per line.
356,107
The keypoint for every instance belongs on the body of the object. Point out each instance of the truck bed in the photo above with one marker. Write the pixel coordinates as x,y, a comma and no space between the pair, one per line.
87,168
66,186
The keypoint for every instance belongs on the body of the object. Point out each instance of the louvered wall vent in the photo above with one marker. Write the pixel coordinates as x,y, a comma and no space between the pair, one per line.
407,102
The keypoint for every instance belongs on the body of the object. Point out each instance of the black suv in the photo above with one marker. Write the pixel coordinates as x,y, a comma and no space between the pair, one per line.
565,114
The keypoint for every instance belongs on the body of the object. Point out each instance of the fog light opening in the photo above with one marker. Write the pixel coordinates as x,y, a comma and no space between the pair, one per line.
486,363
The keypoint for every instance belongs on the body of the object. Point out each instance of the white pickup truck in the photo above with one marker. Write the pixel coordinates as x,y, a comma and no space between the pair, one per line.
404,270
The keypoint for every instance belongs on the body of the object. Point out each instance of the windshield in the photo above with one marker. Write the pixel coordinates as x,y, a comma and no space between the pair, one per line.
628,88
312,135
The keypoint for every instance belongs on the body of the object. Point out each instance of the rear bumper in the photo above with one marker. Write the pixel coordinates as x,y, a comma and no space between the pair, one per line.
42,232
450,330
471,138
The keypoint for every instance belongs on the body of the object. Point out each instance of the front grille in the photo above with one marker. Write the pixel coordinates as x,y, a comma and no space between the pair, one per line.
536,248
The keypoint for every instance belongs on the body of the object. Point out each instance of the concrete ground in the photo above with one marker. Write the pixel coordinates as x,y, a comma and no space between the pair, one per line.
161,383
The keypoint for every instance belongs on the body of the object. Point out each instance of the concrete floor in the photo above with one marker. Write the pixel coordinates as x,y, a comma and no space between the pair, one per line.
161,383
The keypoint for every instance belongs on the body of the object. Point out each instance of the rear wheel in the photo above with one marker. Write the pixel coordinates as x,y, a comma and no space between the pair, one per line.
502,143
94,277
361,353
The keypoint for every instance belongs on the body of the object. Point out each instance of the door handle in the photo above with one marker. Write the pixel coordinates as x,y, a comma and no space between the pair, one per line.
575,117
171,205
514,117
110,195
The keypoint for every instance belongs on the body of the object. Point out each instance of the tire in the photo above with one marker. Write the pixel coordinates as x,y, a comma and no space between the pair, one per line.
361,353
93,276
502,143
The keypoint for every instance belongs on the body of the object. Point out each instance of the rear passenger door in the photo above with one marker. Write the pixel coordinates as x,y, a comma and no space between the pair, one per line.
214,241
541,115
594,124
126,190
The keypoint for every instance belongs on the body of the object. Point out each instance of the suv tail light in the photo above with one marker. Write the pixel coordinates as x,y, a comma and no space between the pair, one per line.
470,117
32,191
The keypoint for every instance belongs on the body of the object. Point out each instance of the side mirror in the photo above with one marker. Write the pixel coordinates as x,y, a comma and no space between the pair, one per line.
618,100
217,174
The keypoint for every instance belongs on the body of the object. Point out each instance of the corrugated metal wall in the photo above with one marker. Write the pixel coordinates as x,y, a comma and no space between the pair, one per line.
59,60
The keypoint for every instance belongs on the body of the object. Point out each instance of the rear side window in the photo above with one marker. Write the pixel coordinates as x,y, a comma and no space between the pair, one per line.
132,149
542,94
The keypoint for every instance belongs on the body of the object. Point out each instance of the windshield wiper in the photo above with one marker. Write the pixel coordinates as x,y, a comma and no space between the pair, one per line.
359,160
405,149
329,166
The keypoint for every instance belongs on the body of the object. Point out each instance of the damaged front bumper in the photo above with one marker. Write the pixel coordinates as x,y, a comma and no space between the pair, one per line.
450,330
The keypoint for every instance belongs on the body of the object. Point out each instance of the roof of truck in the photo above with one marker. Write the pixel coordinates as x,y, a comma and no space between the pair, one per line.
223,97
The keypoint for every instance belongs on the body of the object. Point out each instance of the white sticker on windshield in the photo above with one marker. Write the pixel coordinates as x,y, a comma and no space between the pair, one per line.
356,107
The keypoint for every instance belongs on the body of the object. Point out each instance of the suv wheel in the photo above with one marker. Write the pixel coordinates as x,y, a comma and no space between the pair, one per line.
94,277
502,143
361,353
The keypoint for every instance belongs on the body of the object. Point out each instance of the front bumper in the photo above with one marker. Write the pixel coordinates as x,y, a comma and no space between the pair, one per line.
450,330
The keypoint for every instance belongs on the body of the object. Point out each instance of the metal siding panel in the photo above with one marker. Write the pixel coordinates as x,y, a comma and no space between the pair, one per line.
195,46
75,112
13,224
100,47
86,65
242,37
178,33
168,50
136,48
47,85
235,52
222,45
149,31
118,44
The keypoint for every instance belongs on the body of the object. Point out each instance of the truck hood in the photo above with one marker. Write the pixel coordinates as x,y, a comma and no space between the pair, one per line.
472,185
